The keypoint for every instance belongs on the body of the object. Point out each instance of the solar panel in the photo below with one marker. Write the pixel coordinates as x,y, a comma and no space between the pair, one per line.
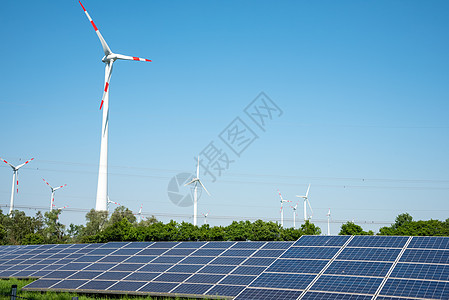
314,267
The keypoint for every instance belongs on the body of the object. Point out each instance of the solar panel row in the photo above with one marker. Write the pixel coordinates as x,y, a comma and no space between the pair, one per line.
314,267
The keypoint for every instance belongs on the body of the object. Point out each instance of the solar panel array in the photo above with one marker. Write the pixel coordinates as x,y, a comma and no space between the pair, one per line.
314,267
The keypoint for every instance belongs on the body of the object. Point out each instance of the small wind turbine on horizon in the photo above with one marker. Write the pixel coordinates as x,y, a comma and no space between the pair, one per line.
60,210
109,201
15,180
282,208
306,201
328,222
109,58
196,181
53,190
139,214
205,217
295,213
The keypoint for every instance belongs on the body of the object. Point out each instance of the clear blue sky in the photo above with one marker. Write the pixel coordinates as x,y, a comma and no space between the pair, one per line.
363,86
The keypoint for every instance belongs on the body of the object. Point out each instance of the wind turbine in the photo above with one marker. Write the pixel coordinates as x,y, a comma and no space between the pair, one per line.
205,217
109,201
328,221
60,208
109,58
139,214
295,213
196,181
282,206
306,199
52,199
15,179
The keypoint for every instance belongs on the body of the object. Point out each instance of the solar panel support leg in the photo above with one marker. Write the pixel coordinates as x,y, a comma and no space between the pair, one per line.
14,292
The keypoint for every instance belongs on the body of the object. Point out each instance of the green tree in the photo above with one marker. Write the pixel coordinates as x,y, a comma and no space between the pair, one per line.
349,228
121,212
310,229
96,221
54,231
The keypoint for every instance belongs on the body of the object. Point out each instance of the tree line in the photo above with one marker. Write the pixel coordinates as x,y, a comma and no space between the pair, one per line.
122,225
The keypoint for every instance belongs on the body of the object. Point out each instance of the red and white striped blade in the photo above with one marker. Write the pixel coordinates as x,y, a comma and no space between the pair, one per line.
125,57
47,183
7,163
63,207
19,166
105,46
107,78
280,195
57,188
17,181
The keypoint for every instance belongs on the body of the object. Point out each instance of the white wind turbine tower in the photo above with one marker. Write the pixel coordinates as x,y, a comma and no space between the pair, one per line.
109,58
282,208
295,213
15,180
196,181
306,199
205,217
109,201
139,214
328,221
53,190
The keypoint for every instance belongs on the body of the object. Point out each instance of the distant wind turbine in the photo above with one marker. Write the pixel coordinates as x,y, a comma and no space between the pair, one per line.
53,190
196,182
306,199
328,221
282,208
139,214
109,201
205,217
109,58
15,180
295,213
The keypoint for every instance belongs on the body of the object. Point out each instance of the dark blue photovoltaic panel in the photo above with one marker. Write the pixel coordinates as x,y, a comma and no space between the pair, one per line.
186,245
380,241
333,296
359,268
297,266
259,261
416,288
42,283
425,256
127,252
429,242
151,252
228,261
179,251
277,245
127,267
283,281
310,252
89,258
248,245
421,271
208,252
184,268
346,284
172,277
101,251
191,288
74,266
218,245
22,274
371,254
99,267
217,269
127,286
158,287
269,253
113,259
238,280
164,245
85,275
239,252
205,278
97,285
265,294
114,245
197,260
69,284
247,270
113,275
226,290
59,274
167,259
140,259
316,240
138,245
141,276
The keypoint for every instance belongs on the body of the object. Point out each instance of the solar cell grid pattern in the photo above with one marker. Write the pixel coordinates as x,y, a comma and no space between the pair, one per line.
314,267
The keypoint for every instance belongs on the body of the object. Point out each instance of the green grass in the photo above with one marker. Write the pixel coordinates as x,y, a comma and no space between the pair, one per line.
5,293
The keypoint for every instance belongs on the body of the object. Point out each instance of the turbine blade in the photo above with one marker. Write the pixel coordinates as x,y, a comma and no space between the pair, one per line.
57,188
280,195
198,168
8,163
107,78
193,180
105,46
308,188
19,166
311,210
126,57
47,183
17,182
204,187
